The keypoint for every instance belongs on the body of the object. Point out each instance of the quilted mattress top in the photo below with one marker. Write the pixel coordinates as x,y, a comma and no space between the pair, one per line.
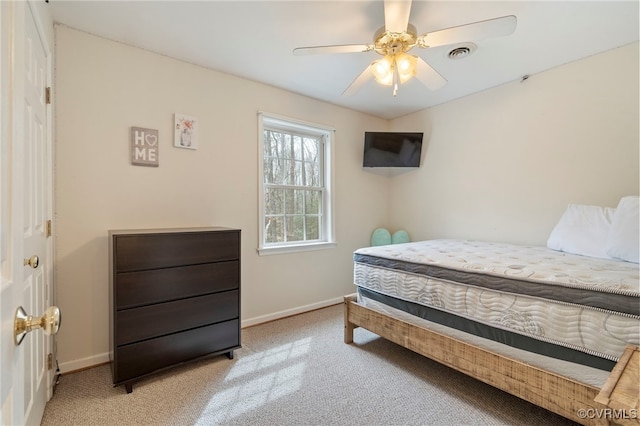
525,263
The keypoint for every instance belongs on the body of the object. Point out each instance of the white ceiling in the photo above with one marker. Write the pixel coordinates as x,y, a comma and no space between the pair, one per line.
255,39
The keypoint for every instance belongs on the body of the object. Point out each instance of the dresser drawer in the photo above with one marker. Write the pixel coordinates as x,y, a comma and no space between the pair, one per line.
150,251
162,285
145,357
161,319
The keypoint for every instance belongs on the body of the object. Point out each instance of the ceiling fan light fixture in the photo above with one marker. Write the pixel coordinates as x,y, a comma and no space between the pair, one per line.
397,37
406,65
382,70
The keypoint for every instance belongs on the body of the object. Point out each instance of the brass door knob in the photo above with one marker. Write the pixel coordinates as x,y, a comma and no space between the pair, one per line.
33,261
49,322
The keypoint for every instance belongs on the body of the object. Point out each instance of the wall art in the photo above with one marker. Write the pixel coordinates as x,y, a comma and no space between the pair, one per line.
186,132
144,147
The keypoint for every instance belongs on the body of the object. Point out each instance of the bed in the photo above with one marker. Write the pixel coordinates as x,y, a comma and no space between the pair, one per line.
544,325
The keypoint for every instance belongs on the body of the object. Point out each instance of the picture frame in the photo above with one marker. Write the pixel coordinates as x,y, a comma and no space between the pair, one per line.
185,131
145,147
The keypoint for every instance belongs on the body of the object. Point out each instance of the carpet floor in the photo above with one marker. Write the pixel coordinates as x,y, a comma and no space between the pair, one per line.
296,371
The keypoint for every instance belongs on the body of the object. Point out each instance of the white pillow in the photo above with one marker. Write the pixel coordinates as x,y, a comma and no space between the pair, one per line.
582,230
623,241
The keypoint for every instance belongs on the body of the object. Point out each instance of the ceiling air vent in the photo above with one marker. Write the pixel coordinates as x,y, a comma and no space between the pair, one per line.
462,51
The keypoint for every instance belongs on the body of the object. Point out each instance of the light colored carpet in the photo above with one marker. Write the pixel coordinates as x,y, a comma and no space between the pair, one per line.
295,371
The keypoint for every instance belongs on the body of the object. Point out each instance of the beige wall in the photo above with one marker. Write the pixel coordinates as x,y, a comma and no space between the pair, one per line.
102,89
502,165
498,165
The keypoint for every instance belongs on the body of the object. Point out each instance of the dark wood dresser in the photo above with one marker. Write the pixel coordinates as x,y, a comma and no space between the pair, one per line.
174,297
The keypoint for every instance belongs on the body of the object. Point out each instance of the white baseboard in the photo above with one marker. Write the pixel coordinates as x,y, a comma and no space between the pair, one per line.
95,360
289,312
83,363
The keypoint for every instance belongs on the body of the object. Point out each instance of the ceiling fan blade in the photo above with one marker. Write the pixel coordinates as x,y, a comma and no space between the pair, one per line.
358,82
429,76
396,15
496,27
344,48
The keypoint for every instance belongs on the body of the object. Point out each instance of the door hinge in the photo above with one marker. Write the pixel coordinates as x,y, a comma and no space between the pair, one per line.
49,230
47,95
50,362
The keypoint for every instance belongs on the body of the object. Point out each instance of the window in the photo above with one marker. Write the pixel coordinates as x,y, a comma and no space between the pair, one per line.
295,186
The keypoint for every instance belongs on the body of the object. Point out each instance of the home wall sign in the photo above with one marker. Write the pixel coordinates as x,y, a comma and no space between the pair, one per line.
144,147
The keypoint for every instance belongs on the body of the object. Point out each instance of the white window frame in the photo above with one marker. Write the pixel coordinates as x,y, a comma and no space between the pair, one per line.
327,238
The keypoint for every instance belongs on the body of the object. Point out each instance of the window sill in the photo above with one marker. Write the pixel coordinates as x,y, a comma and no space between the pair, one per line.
265,251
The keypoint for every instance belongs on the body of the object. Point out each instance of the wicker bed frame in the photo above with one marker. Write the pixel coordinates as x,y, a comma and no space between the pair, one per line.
551,391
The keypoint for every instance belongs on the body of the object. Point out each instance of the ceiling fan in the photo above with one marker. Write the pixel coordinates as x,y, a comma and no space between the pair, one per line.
397,37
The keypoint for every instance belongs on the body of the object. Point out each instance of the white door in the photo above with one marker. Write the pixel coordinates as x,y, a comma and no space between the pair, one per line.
25,195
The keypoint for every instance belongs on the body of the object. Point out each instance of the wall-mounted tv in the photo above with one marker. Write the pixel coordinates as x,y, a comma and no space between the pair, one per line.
392,149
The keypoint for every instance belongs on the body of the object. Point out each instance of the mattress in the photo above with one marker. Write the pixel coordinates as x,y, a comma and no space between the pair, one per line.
575,308
581,373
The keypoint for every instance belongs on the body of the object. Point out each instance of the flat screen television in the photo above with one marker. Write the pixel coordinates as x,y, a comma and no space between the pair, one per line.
392,149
